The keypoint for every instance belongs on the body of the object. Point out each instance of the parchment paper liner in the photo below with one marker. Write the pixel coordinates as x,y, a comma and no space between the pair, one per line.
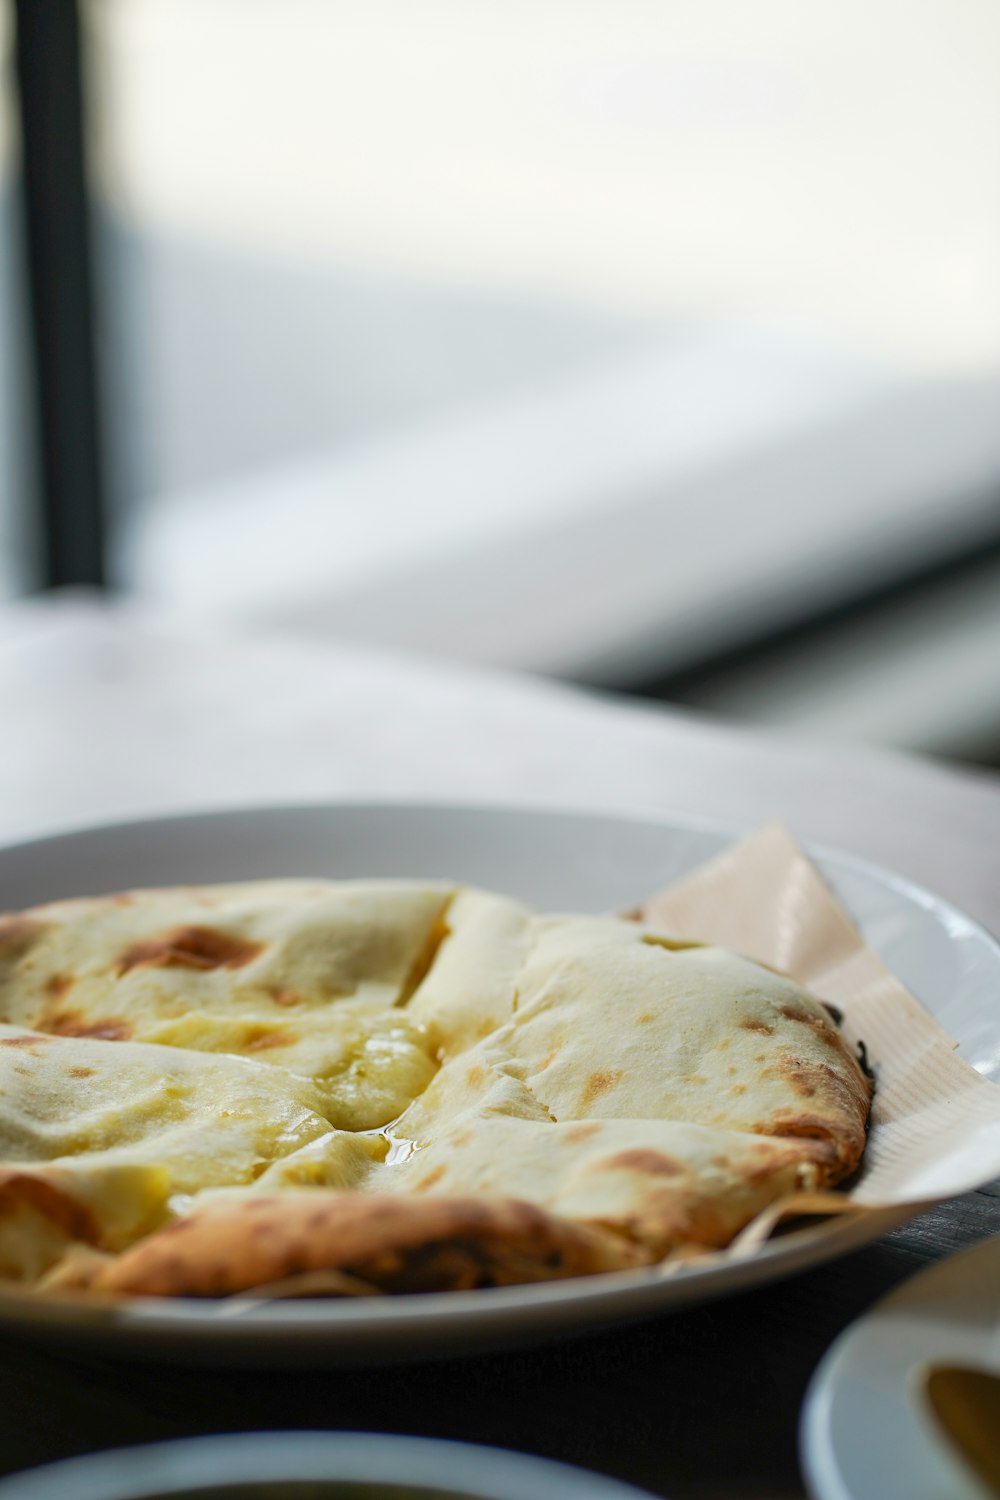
935,1123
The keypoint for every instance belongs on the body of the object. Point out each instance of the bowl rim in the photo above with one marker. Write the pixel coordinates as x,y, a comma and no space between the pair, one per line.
434,1466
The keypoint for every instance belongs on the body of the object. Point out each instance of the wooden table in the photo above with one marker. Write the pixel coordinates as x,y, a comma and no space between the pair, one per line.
108,715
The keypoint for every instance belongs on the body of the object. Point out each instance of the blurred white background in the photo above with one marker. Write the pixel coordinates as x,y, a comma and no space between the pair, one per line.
831,170
600,339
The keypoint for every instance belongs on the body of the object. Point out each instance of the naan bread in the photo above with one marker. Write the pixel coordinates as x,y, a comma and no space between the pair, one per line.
304,974
393,1085
381,1243
122,1135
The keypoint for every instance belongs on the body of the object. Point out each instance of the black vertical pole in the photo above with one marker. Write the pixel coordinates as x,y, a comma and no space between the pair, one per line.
57,225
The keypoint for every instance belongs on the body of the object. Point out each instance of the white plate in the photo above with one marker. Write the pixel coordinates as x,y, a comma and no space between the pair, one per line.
555,860
327,1465
867,1431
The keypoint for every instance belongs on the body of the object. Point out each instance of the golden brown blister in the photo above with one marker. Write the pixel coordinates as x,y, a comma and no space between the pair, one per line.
392,1244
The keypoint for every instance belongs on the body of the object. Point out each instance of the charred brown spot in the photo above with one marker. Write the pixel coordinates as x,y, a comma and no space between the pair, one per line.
546,1061
577,1133
645,1018
462,1138
73,1023
58,986
641,1159
738,1088
807,1077
430,1180
20,1190
601,1082
802,1128
474,1076
818,1023
29,1043
80,1072
760,1027
190,948
17,934
261,1039
287,998
796,1013
263,1229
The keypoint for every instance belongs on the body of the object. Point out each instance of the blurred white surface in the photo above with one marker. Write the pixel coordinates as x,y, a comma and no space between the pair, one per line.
923,673
831,169
121,715
397,538
338,218
433,327
630,521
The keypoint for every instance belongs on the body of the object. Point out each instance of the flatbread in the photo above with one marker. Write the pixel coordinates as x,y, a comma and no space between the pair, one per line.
381,1242
308,975
123,1136
392,1086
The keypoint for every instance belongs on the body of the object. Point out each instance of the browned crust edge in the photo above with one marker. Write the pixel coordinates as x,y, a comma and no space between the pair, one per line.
392,1244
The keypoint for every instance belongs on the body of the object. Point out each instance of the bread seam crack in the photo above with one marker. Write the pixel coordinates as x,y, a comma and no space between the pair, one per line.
425,960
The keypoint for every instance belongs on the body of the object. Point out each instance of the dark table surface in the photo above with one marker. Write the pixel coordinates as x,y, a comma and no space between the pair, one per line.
701,1403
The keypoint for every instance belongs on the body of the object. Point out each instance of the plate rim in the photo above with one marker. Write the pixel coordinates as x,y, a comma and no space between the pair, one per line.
818,850
178,1465
919,1296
